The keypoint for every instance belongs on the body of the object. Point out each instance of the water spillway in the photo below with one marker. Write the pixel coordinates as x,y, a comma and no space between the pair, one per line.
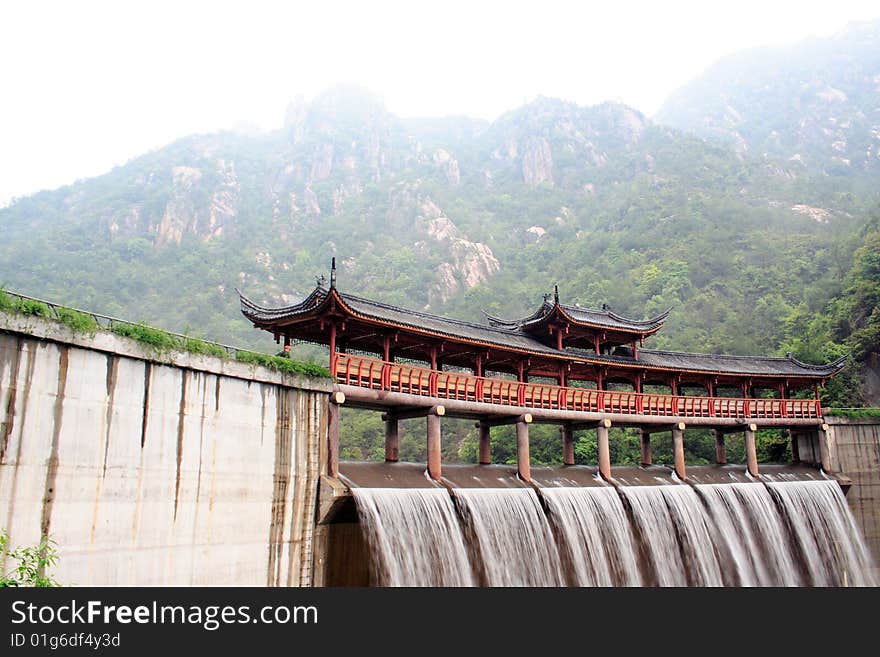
485,526
415,535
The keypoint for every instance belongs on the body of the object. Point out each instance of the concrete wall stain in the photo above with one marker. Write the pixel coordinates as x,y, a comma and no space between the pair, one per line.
52,468
30,366
112,374
9,422
281,482
148,373
181,417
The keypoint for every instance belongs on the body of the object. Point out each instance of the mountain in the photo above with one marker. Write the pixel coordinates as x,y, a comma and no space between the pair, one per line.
814,105
451,215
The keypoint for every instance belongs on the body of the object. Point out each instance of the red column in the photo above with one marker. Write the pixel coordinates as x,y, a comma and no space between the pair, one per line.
559,338
635,350
596,344
478,369
333,348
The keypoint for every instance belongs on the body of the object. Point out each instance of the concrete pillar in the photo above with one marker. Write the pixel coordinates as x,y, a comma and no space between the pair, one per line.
523,463
392,438
604,450
567,444
336,399
795,446
485,444
678,450
824,452
720,448
645,442
751,450
433,422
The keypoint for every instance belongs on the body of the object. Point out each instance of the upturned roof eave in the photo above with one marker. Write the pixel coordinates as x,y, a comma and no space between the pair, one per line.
259,315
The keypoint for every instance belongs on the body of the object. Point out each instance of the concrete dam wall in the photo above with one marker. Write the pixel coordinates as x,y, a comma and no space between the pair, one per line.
180,469
156,469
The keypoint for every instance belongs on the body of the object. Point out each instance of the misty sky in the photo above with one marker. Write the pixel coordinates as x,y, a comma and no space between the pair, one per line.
88,85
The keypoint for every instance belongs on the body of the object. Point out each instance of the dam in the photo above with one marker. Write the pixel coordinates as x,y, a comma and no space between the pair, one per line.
174,468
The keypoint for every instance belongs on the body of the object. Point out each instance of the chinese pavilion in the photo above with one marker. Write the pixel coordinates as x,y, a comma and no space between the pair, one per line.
559,357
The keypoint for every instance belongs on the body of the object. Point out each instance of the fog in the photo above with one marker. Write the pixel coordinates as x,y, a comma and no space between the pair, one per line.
89,85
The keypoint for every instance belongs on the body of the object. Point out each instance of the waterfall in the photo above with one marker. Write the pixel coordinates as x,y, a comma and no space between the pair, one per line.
596,537
674,526
798,533
512,535
833,549
414,536
747,527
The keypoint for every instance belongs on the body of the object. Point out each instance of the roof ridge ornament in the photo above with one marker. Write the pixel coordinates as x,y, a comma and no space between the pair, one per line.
556,294
333,273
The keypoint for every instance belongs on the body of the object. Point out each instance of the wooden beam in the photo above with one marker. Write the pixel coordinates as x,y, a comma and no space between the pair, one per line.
406,414
659,428
501,421
577,426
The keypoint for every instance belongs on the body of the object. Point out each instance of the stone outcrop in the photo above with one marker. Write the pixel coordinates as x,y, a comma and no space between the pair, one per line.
468,264
186,213
537,161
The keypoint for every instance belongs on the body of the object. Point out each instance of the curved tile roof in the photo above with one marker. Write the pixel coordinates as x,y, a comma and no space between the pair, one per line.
592,317
513,337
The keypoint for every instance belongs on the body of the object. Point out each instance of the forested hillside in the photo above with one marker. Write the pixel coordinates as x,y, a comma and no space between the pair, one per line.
753,251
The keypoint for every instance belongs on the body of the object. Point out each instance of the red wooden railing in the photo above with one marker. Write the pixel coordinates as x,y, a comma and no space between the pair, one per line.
376,374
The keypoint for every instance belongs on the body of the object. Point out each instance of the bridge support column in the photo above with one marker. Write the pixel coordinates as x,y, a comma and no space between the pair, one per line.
645,443
795,446
567,444
751,450
523,462
604,449
824,452
720,448
433,426
678,449
485,443
392,439
336,399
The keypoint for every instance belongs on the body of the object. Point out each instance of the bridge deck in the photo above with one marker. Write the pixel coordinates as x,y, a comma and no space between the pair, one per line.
397,384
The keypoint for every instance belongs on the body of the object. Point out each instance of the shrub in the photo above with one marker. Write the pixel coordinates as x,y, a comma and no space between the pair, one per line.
282,364
78,322
31,563
37,308
156,338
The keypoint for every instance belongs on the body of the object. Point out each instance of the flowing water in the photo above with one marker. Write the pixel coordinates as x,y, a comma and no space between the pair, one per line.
737,534
514,539
835,553
674,527
414,536
751,534
596,535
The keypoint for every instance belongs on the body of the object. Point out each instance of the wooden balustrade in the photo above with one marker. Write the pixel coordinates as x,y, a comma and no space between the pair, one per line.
366,372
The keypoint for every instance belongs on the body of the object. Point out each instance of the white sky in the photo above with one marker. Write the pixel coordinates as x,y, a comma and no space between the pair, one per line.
87,85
